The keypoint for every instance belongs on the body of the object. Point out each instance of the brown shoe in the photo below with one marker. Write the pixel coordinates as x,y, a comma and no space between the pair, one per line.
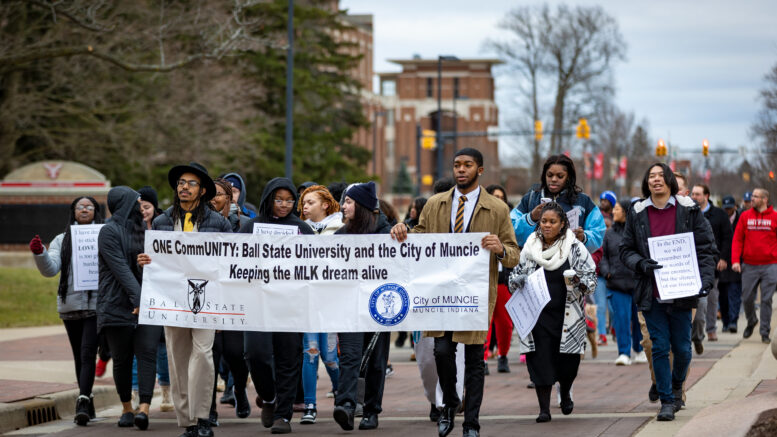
712,336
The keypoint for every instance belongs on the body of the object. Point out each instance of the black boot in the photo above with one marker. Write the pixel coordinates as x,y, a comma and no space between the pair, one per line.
543,398
92,414
566,399
82,411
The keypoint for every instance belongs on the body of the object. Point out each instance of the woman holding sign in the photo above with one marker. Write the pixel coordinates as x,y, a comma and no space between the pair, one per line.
558,337
77,309
663,212
362,216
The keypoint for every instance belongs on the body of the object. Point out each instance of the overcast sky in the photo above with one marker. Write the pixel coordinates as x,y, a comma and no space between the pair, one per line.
693,68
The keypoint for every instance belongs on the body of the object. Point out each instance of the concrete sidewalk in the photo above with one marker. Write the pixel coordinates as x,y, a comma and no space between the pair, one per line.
36,367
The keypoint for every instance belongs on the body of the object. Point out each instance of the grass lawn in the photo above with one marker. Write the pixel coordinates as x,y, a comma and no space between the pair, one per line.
27,298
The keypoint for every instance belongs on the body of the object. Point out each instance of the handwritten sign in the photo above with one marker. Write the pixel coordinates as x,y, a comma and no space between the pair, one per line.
273,229
526,304
83,239
679,276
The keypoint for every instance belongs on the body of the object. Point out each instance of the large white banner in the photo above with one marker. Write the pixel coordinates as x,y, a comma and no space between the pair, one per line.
84,263
312,283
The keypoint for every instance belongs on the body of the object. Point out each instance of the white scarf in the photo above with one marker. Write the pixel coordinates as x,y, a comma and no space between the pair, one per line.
319,226
553,257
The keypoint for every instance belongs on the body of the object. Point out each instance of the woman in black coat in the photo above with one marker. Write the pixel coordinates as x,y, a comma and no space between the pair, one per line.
362,217
275,358
118,302
620,287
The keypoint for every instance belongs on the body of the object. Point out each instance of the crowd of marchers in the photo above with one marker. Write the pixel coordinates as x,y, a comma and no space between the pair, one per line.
599,274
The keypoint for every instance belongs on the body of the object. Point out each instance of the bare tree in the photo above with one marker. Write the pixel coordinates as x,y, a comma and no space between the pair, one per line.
764,130
571,50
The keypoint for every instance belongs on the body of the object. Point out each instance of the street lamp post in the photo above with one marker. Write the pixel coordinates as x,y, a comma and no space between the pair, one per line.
456,122
439,111
375,116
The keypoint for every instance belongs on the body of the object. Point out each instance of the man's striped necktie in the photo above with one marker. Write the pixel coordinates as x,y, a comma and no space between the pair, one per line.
459,224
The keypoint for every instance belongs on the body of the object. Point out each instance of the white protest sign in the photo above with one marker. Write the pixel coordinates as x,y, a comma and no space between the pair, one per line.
84,264
679,276
574,218
308,283
526,304
274,229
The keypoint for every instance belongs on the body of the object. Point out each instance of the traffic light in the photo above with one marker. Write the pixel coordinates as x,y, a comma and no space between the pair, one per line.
537,130
583,129
705,147
661,148
428,139
771,176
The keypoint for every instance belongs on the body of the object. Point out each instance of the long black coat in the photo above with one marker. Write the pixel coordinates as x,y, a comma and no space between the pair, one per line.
119,287
729,275
619,277
721,228
634,248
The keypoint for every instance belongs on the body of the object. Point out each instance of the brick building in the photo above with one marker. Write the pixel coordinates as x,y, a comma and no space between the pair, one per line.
410,98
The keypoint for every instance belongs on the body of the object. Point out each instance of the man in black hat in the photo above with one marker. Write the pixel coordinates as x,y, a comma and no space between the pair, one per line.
189,350
730,282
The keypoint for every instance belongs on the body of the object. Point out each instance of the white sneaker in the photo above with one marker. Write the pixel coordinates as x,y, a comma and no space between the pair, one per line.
640,358
623,360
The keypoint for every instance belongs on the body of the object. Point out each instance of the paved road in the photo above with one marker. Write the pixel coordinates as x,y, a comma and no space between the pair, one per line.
609,400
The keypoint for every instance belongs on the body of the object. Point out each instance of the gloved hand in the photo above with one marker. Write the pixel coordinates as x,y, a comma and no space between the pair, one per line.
517,282
703,292
647,265
36,246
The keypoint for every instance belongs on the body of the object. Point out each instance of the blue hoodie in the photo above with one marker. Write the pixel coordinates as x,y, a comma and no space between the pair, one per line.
241,200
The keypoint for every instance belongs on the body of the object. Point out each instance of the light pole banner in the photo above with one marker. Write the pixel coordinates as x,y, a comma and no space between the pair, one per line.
311,283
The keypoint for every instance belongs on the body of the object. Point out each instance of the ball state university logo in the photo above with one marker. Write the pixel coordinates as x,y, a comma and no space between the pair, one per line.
196,294
389,304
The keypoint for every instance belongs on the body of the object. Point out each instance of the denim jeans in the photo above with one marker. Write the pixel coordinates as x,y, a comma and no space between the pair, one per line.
734,291
315,345
670,328
621,304
600,299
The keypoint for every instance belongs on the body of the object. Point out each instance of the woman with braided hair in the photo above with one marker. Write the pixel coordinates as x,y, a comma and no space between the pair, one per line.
77,309
558,338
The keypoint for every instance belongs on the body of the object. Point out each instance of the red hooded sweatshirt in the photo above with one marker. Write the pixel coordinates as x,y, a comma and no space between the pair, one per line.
755,238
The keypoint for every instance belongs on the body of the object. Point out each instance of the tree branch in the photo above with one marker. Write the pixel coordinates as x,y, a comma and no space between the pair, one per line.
56,10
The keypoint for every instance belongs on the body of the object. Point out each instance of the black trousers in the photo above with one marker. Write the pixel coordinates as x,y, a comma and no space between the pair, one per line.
103,350
229,345
128,341
82,334
275,362
474,378
352,347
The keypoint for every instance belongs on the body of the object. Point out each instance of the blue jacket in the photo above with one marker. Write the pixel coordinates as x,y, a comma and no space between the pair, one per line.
590,217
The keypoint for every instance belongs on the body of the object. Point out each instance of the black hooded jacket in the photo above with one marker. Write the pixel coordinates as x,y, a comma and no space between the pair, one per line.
265,208
213,222
619,277
119,287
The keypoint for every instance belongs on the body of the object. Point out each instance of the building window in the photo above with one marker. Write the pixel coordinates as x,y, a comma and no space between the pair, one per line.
429,87
388,88
456,88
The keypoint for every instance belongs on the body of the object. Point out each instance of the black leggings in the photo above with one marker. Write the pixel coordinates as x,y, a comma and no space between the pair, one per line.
128,341
230,345
82,334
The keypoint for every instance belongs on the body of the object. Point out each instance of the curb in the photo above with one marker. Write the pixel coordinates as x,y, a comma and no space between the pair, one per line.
50,407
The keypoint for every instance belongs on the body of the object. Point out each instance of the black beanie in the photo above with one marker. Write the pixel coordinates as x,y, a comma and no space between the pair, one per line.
149,195
364,195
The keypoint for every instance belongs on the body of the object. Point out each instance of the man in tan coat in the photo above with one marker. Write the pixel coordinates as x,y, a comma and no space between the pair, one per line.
466,208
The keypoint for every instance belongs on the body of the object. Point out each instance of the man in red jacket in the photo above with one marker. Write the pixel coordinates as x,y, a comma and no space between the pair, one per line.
754,254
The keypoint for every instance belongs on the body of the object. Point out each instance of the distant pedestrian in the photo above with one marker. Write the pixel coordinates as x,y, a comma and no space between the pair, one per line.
77,309
730,282
754,254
